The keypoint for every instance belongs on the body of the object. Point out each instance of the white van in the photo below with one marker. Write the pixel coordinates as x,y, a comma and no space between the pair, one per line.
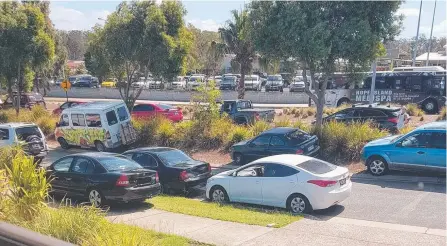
103,125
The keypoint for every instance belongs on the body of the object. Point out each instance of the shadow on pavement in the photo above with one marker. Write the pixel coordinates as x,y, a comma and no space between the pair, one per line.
417,186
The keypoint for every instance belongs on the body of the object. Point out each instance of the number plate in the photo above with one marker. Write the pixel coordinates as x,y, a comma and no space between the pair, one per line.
311,148
343,181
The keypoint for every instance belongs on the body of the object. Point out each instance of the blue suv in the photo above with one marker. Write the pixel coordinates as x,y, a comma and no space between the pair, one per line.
422,149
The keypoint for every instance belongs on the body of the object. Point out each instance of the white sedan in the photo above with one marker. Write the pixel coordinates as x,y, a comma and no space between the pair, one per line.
296,182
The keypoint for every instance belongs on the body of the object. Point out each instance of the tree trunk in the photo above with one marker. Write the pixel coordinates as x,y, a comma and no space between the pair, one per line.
241,85
19,82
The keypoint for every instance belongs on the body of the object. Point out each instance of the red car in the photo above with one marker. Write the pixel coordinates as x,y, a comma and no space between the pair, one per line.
147,110
58,110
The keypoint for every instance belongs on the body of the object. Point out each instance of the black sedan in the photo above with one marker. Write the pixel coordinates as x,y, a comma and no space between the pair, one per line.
178,171
102,177
280,140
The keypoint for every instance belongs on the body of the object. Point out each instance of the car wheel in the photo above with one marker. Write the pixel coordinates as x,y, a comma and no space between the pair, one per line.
164,189
100,147
299,204
430,106
96,198
218,194
63,143
377,166
238,159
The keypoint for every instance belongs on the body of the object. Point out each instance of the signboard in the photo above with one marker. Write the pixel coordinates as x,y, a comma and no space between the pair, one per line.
387,96
66,85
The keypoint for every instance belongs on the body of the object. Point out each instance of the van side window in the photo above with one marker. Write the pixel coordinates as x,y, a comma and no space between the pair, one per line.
111,118
93,120
78,119
122,113
64,120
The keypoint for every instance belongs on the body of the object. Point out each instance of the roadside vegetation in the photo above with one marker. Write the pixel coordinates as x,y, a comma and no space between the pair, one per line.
39,115
24,191
442,114
414,110
225,212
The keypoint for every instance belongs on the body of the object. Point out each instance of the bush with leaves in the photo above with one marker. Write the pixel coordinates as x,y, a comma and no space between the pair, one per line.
414,110
442,114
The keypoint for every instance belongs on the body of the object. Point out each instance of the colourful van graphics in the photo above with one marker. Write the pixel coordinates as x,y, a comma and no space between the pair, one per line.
82,137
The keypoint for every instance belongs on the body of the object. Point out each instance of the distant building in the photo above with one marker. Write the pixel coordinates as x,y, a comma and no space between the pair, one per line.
434,59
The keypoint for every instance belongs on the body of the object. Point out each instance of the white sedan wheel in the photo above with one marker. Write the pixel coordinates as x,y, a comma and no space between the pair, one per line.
298,205
218,195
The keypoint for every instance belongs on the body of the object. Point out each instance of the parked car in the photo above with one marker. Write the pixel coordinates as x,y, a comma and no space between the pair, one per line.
177,171
217,80
102,178
279,140
27,100
423,149
228,83
195,81
109,83
242,112
385,117
59,82
179,84
287,78
252,82
147,110
143,83
274,83
65,105
103,125
298,84
86,80
299,183
27,135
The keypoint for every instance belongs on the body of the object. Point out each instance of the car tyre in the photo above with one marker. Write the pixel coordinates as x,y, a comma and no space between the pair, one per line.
63,143
96,198
164,189
377,166
219,194
299,204
430,106
238,159
100,147
342,102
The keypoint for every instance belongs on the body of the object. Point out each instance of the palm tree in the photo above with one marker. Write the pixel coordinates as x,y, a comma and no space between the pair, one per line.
236,37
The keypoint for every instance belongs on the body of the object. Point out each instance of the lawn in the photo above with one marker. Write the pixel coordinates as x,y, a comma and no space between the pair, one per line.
227,212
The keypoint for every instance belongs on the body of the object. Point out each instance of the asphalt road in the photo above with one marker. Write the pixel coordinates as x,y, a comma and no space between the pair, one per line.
381,201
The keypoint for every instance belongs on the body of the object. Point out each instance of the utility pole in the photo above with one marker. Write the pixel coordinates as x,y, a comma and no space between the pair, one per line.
373,82
417,37
431,34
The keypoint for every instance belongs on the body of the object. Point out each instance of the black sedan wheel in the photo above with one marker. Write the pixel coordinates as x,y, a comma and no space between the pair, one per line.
96,198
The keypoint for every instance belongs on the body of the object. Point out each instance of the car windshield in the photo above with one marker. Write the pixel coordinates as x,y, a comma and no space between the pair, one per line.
174,157
117,163
317,166
164,106
24,132
274,78
395,138
228,80
297,137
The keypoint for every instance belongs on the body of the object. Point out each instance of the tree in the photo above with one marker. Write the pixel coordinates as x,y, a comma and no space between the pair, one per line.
142,36
75,42
24,43
205,52
319,33
236,36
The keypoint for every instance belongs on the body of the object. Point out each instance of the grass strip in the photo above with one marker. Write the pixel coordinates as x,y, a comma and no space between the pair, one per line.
225,212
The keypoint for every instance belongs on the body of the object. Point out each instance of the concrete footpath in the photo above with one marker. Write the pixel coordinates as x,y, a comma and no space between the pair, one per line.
308,231
258,105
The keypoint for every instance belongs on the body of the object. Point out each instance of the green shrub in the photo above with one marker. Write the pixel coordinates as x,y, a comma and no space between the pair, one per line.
164,130
28,187
442,114
237,134
302,126
311,111
285,111
345,141
258,127
414,110
406,129
146,130
293,111
283,123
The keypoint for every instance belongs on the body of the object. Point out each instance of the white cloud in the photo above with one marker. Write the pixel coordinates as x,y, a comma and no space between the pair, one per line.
438,29
205,25
408,12
71,19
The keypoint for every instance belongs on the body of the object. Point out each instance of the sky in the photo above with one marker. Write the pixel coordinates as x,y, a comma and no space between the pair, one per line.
211,14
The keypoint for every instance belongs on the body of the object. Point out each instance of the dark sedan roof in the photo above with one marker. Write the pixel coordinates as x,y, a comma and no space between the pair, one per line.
151,149
280,130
